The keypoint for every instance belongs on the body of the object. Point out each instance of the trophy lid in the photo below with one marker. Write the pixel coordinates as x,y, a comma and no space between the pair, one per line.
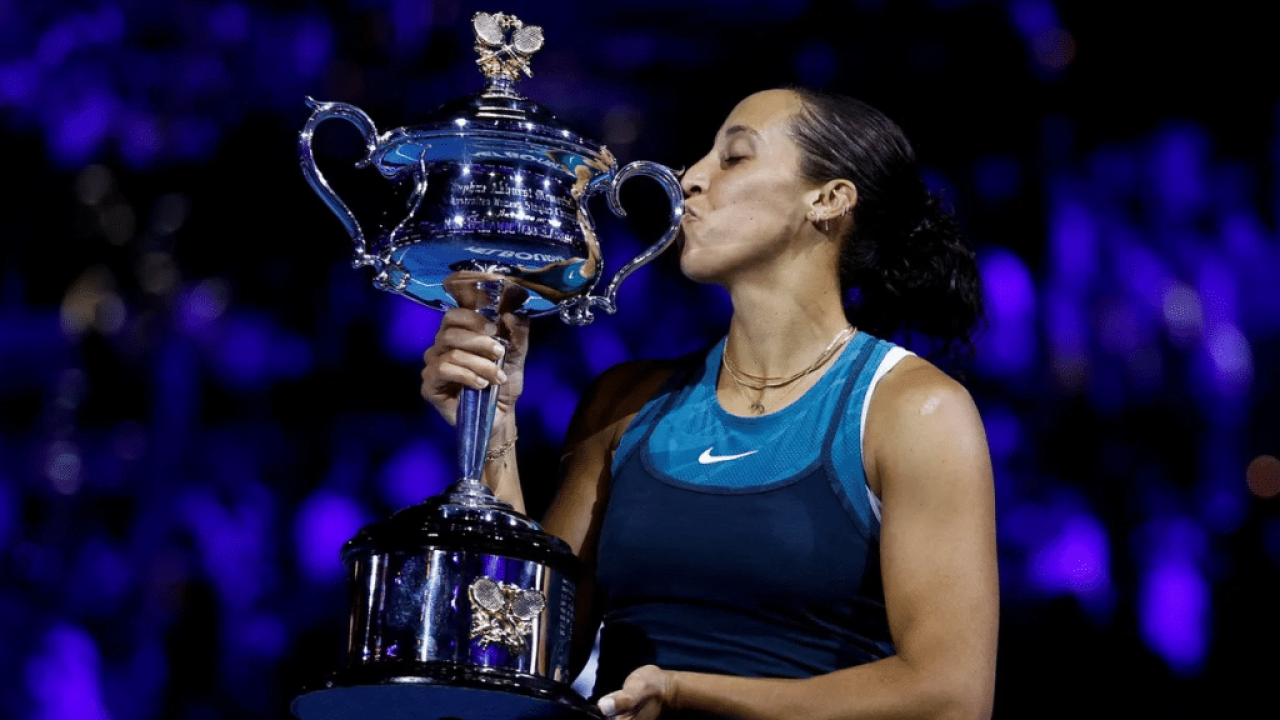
497,116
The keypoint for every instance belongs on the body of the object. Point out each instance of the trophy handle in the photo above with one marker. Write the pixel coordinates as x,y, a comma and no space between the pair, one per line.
578,310
357,117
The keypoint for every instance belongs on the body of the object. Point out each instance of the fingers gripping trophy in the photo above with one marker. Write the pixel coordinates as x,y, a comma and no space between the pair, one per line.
462,607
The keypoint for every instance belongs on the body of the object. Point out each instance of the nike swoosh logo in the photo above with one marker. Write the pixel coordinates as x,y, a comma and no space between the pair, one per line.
706,458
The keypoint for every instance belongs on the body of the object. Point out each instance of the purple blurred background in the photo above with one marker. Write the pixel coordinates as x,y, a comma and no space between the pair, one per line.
202,400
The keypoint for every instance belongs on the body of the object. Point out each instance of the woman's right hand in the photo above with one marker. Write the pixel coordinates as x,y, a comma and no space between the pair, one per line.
467,352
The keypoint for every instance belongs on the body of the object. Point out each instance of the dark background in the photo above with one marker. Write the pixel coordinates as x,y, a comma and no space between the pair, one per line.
201,399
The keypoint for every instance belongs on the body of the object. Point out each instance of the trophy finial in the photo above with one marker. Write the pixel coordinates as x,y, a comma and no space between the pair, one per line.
505,45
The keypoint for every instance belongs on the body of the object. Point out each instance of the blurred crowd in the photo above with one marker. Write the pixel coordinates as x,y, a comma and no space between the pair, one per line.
201,399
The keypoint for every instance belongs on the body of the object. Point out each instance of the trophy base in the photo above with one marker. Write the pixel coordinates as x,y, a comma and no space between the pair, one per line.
442,692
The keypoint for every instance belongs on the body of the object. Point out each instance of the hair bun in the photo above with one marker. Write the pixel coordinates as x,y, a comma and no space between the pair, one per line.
925,280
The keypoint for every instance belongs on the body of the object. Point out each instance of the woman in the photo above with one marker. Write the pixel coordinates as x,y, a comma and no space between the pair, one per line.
769,537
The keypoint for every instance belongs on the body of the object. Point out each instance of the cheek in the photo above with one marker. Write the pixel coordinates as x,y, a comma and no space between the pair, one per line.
763,199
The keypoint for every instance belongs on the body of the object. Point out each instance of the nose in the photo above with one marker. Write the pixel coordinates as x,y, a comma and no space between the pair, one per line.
694,180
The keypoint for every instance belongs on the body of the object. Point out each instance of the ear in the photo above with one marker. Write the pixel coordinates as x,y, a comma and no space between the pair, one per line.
835,199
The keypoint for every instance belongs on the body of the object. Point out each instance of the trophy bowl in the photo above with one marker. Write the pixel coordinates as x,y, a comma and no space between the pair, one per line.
461,607
493,184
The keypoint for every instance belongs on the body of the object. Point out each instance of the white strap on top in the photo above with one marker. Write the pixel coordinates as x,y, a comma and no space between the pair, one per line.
890,359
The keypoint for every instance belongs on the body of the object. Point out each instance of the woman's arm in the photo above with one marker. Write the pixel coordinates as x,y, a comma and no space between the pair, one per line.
927,457
467,352
577,510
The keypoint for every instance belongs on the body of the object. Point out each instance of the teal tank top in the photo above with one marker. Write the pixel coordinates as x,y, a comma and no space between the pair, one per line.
743,546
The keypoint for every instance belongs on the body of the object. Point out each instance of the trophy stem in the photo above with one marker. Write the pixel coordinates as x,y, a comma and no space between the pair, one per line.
500,87
476,410
485,293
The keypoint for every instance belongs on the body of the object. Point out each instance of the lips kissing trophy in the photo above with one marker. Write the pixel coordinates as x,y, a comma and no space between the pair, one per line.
462,607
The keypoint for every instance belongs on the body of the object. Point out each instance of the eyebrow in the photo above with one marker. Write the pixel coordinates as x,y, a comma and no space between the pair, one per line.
739,129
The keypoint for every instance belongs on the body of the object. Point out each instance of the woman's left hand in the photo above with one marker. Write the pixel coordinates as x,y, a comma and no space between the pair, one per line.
644,695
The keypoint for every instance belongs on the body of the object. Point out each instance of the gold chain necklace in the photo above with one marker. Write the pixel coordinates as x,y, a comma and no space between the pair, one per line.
764,383
757,406
760,382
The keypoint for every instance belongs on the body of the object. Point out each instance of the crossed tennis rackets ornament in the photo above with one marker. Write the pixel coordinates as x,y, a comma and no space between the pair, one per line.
505,44
503,613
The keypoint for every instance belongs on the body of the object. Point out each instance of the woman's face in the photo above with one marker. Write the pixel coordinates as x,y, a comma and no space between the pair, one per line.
745,200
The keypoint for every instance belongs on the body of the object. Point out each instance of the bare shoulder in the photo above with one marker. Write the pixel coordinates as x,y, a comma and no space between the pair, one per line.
918,411
602,415
917,385
617,395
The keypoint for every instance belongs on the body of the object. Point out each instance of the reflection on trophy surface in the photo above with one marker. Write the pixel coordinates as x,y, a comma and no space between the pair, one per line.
462,607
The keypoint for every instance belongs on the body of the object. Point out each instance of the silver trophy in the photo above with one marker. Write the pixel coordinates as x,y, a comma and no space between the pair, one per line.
461,607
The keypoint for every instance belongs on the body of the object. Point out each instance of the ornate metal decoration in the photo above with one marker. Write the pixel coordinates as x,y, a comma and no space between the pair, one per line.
505,44
503,613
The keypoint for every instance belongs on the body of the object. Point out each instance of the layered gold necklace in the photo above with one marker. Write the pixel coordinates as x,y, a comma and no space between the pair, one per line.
761,383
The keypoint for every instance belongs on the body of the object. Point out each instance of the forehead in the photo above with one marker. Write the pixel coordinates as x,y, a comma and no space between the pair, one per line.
766,113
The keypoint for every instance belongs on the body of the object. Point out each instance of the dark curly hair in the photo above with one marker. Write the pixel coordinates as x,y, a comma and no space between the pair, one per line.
904,266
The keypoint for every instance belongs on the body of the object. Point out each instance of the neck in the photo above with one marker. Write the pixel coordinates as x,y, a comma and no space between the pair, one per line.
777,334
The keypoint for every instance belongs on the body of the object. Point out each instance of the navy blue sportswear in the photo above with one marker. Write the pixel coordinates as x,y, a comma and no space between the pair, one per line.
744,545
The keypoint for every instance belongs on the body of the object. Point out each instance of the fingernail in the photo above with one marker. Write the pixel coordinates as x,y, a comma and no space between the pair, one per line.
608,707
483,384
502,377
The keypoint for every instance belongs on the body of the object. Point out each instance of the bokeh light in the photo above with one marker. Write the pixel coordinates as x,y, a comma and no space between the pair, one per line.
1054,48
1263,476
1175,612
325,521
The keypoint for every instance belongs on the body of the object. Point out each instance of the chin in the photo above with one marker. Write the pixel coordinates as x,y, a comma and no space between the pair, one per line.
699,272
